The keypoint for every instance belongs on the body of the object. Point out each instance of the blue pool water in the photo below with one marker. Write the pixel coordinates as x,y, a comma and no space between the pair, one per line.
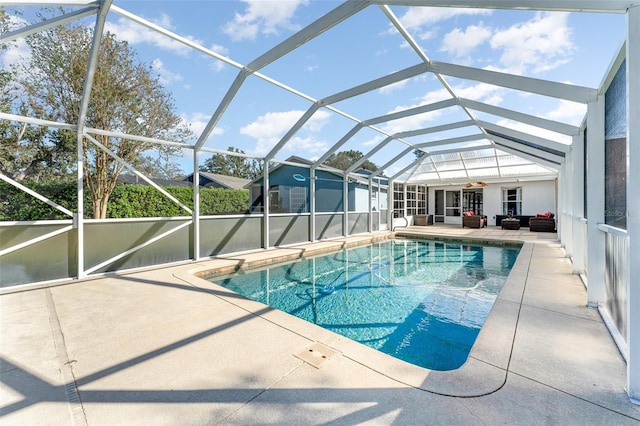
420,301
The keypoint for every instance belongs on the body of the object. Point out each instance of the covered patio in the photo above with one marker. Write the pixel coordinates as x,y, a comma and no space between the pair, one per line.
76,294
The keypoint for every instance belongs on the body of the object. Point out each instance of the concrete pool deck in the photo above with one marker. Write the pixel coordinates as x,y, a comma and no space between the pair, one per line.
163,346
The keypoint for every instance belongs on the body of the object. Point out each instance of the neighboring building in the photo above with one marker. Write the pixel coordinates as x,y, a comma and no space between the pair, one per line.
214,180
207,180
289,190
129,179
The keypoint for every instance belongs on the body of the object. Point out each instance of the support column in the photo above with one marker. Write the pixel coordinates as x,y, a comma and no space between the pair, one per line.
370,225
312,202
633,202
265,205
567,206
78,220
595,207
345,204
562,205
390,202
196,205
577,188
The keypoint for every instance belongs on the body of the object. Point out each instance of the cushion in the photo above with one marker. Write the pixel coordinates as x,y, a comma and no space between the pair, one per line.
469,214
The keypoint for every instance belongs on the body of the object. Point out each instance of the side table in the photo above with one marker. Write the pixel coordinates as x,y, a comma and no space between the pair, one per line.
513,224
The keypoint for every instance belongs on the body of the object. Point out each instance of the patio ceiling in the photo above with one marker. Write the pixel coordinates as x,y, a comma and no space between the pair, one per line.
468,143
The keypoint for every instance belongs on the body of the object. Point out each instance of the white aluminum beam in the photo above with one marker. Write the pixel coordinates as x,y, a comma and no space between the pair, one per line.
411,111
36,195
392,161
137,138
368,155
311,31
527,84
450,141
604,6
48,3
136,248
435,129
596,293
292,131
174,36
547,143
92,64
506,146
49,23
428,156
98,32
633,203
222,107
554,126
351,133
37,121
137,173
577,187
36,240
532,154
376,84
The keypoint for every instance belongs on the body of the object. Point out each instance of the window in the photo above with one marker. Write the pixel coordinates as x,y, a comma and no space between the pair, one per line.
452,199
412,200
472,201
398,200
297,199
288,199
422,199
512,201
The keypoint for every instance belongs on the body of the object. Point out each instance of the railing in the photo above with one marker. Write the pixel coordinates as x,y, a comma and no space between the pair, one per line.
616,285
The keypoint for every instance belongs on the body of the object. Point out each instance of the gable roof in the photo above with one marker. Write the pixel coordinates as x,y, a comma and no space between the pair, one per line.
216,180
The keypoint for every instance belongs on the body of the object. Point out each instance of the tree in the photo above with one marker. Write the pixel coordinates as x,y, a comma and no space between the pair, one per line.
232,165
344,159
126,97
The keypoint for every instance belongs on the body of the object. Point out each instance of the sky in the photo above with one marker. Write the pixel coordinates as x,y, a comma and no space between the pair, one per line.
575,48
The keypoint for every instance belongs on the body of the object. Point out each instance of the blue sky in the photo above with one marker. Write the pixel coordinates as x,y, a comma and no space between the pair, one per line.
567,47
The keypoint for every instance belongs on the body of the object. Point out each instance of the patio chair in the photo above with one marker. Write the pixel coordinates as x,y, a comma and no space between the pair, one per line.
542,223
473,221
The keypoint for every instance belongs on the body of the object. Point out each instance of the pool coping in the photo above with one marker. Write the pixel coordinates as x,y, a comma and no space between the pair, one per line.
485,370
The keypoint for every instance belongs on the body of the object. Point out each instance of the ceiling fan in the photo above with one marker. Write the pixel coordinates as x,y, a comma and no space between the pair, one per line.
475,184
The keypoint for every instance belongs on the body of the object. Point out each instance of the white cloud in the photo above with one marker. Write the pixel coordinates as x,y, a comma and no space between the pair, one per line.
18,52
393,87
568,112
265,17
134,33
418,16
166,77
269,128
461,43
197,121
540,44
373,141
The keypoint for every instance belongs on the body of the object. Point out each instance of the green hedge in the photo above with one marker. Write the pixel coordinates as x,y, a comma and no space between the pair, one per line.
126,201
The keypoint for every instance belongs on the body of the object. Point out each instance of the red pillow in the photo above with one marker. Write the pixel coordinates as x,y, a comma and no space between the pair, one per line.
541,215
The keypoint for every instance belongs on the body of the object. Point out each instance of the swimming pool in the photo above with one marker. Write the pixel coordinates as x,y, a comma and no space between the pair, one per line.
418,300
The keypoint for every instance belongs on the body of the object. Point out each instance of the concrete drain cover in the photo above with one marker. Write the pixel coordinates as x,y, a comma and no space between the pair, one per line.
317,354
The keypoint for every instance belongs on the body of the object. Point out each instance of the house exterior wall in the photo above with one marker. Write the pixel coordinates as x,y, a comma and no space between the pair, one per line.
537,197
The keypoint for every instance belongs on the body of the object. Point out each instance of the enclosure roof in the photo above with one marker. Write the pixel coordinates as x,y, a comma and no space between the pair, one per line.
474,114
